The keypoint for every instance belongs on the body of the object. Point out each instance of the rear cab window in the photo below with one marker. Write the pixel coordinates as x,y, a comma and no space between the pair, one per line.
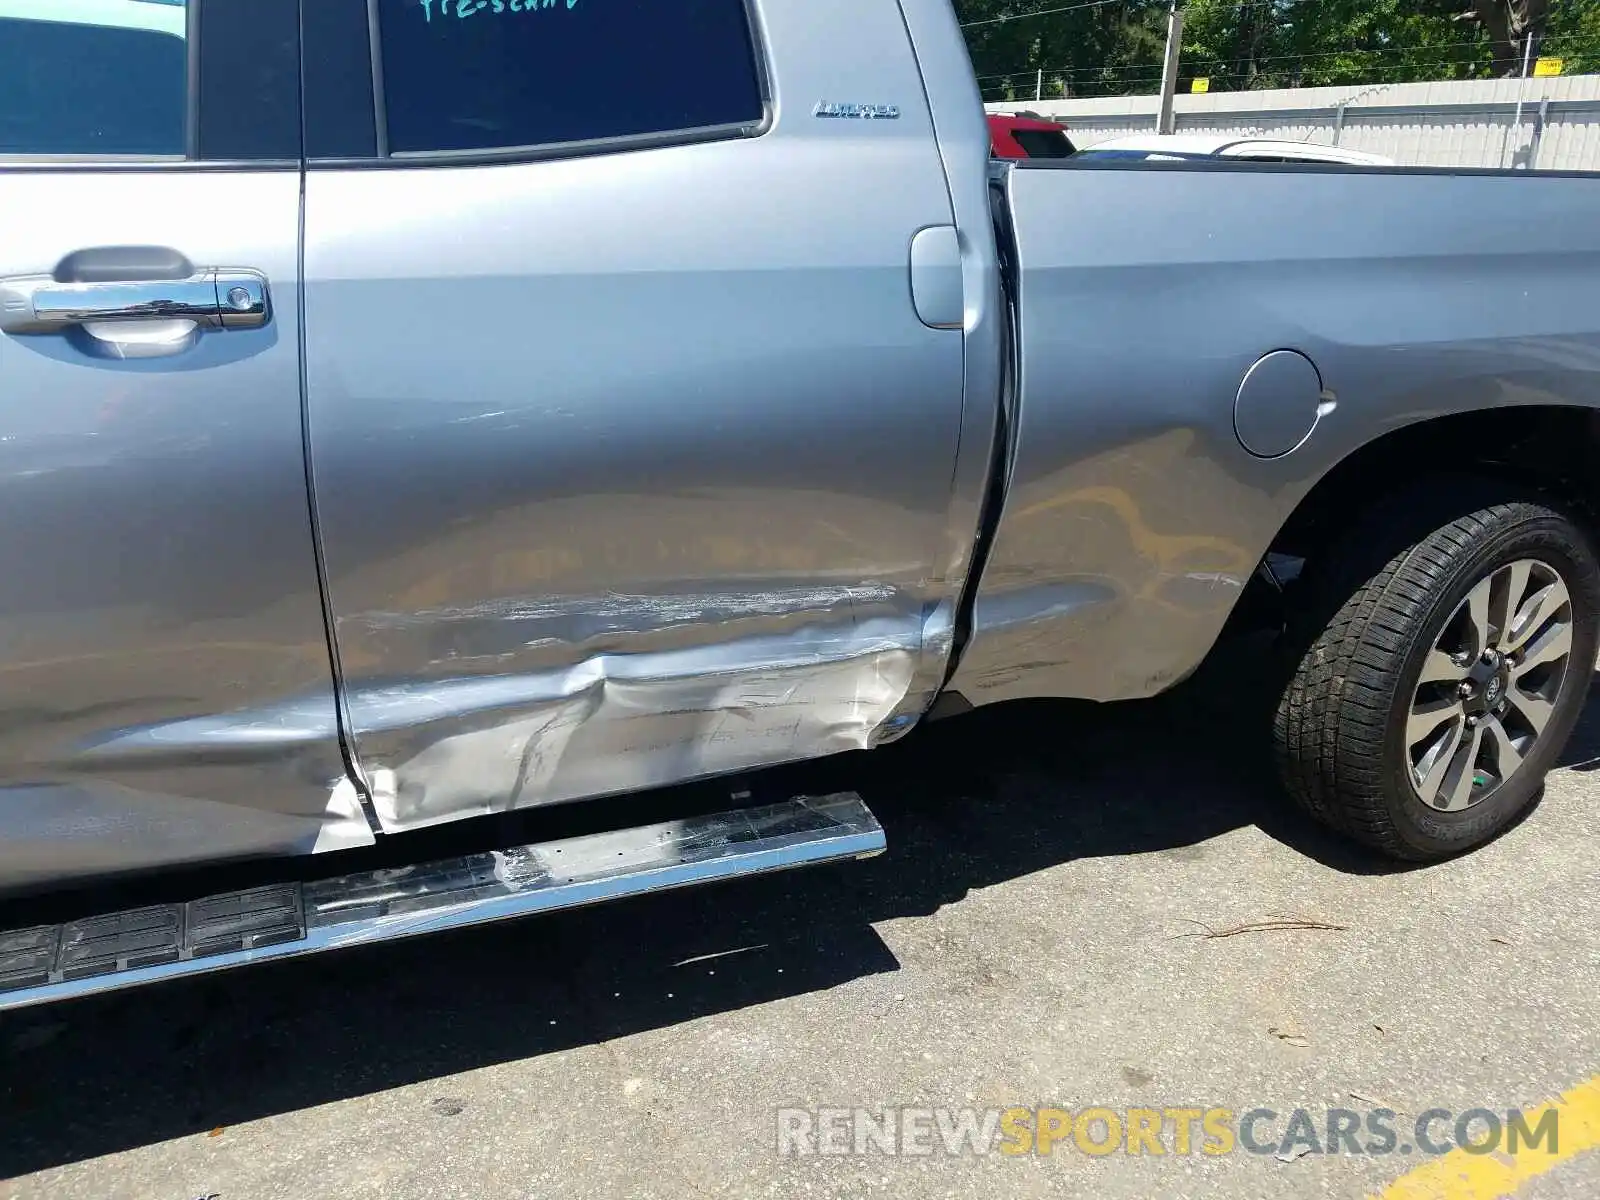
1043,143
1094,154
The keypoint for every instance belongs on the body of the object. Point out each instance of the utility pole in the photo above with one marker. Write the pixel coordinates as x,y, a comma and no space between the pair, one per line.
1038,87
1522,91
1165,122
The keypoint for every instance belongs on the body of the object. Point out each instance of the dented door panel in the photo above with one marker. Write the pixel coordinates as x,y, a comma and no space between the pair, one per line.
637,467
1135,516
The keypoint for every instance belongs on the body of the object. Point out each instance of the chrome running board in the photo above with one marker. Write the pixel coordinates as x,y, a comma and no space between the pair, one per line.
122,949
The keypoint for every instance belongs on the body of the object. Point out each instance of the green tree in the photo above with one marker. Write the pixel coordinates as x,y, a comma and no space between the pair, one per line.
1107,48
1512,27
1115,46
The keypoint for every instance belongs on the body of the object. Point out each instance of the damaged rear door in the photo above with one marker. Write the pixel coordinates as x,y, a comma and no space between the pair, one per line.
632,457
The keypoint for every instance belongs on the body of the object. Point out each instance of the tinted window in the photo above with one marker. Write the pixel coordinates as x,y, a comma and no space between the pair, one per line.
485,74
1043,143
113,82
1285,158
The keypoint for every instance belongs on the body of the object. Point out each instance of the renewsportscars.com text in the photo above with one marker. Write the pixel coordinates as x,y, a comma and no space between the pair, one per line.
1179,1130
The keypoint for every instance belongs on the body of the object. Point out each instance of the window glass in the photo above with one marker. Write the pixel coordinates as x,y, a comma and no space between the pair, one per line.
488,74
1095,153
1043,143
92,77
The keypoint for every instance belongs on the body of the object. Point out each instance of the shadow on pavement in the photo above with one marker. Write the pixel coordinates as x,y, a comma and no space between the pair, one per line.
1583,748
967,803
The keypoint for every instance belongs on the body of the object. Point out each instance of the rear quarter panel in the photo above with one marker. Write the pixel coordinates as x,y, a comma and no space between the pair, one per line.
1134,516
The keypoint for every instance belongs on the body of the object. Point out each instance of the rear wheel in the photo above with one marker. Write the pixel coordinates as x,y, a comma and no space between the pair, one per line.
1451,644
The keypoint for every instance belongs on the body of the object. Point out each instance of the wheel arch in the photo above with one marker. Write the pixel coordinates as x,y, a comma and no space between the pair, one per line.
1554,449
1383,662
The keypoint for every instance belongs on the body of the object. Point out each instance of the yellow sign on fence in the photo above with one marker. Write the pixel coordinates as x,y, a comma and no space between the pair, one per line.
1203,85
1547,66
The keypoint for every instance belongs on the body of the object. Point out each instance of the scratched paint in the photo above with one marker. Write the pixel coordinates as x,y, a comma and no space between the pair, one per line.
621,722
625,612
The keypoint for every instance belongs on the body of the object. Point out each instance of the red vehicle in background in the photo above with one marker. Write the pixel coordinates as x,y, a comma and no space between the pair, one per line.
1019,136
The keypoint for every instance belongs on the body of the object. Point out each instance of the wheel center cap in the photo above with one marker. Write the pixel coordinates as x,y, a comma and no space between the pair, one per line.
1487,685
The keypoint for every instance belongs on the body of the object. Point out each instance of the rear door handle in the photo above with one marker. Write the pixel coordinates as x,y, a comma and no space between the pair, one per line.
230,298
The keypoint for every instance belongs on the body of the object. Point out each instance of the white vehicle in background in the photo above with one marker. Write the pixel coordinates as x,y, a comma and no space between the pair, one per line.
1155,147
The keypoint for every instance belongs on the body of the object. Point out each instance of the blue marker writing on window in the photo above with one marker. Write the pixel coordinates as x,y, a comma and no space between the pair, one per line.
466,8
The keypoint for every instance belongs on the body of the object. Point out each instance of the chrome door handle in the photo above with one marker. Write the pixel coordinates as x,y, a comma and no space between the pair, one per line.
230,298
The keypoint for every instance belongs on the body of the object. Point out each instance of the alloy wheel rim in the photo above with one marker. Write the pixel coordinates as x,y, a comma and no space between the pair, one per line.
1488,686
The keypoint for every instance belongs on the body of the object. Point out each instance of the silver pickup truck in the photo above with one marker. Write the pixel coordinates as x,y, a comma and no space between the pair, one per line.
414,411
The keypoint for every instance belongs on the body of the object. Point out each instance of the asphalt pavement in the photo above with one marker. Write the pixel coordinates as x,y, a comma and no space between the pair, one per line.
1082,909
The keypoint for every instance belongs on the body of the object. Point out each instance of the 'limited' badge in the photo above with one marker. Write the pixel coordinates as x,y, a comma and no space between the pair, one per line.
856,112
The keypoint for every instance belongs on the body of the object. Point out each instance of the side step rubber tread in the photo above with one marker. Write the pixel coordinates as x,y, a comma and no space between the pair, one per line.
121,949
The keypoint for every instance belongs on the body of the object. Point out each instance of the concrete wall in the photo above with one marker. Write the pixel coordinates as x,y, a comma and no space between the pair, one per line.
1471,124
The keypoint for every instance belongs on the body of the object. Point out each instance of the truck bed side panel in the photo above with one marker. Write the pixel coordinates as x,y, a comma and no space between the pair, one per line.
1135,516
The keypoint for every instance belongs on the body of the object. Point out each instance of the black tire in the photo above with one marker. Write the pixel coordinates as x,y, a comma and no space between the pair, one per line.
1369,616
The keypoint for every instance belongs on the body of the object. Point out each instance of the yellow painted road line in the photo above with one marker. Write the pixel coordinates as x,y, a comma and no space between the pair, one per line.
1459,1175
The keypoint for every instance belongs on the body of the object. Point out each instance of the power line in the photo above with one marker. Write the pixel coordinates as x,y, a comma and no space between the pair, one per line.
1050,12
1043,12
1482,44
1363,50
1424,50
1004,82
1194,66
